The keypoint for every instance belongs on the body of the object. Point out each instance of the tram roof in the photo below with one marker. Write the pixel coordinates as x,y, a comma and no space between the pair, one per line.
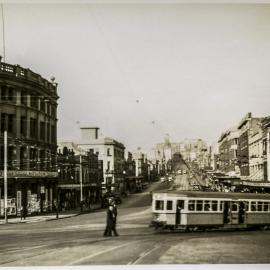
205,194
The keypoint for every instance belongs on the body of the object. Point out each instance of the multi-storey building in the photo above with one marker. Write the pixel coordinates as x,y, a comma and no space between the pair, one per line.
266,148
28,112
247,127
141,166
80,177
111,152
228,152
256,162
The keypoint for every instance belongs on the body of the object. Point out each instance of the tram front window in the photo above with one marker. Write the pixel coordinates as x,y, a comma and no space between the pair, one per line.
159,205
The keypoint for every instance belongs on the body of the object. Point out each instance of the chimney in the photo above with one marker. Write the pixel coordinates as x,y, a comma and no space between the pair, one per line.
89,133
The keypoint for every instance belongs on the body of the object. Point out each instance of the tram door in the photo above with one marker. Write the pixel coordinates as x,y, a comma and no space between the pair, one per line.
242,212
227,212
179,206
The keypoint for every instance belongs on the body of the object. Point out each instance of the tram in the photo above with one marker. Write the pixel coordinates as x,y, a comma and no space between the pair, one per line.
196,210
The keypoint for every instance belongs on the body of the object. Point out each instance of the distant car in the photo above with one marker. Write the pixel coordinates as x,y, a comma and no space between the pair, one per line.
162,179
170,178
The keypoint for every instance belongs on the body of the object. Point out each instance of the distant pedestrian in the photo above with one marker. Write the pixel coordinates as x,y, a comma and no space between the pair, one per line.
114,216
109,221
23,212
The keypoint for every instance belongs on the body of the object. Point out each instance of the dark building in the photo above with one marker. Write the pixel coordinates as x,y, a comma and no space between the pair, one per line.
28,112
266,147
80,178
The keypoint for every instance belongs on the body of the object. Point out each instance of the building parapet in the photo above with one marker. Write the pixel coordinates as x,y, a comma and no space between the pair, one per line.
27,74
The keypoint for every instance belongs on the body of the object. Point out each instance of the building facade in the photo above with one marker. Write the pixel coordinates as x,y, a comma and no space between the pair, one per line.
111,152
247,127
28,112
80,177
228,152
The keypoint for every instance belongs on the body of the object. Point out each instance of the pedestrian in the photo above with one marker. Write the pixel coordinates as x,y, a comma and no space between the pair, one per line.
109,221
23,212
114,216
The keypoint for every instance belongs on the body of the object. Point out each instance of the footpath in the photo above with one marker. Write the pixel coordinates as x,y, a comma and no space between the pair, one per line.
49,216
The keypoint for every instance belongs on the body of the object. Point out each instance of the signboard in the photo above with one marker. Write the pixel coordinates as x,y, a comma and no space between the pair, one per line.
11,207
256,184
42,189
13,174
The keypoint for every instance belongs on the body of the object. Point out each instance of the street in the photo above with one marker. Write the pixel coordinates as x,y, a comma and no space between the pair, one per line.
79,241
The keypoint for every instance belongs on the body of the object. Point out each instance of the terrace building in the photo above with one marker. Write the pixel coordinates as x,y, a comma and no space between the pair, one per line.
28,112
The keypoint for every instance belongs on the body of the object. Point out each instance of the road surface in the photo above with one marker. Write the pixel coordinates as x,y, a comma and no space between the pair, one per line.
79,241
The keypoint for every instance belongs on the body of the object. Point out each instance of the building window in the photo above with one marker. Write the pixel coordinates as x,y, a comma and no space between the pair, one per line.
33,128
23,125
3,122
34,101
10,163
42,131
24,97
42,105
11,93
48,109
108,165
48,132
10,123
3,93
53,134
108,152
23,159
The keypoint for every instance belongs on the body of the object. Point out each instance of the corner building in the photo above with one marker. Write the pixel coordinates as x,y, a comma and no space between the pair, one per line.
28,112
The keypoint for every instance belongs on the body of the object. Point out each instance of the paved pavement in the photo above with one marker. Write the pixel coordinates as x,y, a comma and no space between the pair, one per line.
48,216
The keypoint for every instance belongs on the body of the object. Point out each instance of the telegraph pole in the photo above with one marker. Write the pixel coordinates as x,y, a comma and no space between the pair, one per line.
81,178
5,176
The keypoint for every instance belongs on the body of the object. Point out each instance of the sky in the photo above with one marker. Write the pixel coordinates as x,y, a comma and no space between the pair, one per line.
141,71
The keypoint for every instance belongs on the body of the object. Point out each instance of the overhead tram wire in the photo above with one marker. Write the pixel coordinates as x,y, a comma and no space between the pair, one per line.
3,32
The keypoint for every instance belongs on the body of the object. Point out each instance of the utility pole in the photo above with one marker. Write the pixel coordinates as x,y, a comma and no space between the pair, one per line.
81,178
5,176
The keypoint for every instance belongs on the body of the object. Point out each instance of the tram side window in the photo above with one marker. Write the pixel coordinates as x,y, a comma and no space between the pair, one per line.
253,206
214,205
207,206
260,206
199,205
191,205
169,205
265,206
159,205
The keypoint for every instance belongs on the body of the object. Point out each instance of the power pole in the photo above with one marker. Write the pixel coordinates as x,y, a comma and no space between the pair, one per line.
81,178
5,176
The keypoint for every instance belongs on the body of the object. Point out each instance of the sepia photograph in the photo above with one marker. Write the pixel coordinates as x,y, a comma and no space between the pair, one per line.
135,133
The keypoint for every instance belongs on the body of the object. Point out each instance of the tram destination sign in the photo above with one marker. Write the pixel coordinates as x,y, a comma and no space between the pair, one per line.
29,174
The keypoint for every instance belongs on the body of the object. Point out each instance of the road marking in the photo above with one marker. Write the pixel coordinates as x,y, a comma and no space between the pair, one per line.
99,253
144,254
22,249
